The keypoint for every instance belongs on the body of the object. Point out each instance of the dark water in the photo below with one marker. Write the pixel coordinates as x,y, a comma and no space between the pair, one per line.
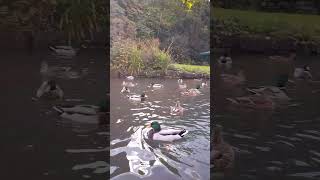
41,145
132,157
284,144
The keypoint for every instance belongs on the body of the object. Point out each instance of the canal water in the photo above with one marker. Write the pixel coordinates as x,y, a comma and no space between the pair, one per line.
39,144
283,144
133,157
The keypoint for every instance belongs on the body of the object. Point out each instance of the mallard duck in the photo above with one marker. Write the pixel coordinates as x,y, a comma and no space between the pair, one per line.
50,90
130,78
128,84
225,61
192,92
291,57
156,86
156,133
135,97
302,73
252,102
125,90
222,155
90,114
277,94
233,80
177,109
64,50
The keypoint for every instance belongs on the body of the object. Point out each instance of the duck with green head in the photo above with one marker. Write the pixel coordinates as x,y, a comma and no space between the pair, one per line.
90,114
157,133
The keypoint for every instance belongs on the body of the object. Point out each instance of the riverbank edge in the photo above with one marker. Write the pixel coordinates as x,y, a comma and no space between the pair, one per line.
170,74
256,43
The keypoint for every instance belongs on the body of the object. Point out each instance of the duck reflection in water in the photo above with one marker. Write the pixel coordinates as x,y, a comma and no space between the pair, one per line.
222,155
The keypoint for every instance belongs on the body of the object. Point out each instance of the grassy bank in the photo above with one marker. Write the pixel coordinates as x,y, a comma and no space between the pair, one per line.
303,27
191,68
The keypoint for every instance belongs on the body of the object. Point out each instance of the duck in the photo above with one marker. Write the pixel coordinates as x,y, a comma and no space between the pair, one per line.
277,94
156,133
204,84
135,97
225,61
130,78
182,86
177,109
156,86
49,89
192,92
125,90
128,84
198,79
60,72
222,155
233,80
283,59
253,102
302,73
63,50
89,114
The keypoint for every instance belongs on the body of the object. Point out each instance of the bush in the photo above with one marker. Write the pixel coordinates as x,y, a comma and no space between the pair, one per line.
133,57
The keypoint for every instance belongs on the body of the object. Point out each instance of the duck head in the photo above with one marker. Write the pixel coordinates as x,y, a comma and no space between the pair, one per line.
156,126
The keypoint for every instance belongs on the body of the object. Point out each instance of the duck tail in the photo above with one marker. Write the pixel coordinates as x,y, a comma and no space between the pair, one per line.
58,109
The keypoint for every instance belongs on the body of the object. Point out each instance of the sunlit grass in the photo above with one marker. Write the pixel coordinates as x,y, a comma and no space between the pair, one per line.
276,24
191,68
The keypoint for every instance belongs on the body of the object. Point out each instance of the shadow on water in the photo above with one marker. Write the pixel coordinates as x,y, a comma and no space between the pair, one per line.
134,157
284,144
40,144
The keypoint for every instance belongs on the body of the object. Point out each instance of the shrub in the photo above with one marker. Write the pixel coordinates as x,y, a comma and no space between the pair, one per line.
134,57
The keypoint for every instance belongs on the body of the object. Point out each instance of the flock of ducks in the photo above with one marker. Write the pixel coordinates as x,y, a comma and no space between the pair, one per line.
50,90
154,130
264,98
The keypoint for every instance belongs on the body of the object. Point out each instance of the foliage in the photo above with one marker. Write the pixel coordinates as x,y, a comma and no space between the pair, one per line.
134,57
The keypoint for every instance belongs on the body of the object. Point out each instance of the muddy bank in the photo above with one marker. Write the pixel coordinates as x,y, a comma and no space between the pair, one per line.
264,44
159,74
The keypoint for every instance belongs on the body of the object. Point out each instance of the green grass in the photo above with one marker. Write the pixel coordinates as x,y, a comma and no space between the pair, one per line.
274,24
191,68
